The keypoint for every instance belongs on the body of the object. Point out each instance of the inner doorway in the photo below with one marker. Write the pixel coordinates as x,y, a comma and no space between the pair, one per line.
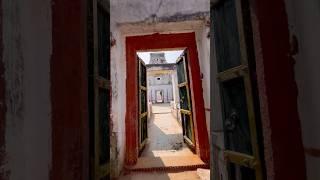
168,129
155,42
159,96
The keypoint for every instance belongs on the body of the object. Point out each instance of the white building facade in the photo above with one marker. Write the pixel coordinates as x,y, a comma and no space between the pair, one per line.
159,78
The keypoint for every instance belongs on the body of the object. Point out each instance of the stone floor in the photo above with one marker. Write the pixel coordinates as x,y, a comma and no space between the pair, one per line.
199,174
185,175
165,134
165,148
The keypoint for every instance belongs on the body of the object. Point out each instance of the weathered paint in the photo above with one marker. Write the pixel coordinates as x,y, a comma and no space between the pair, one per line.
2,105
203,45
162,41
70,143
13,72
26,39
283,147
133,11
301,17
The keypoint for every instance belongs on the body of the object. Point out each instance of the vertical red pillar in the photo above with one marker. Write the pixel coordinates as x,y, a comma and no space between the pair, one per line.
70,146
198,105
284,153
131,120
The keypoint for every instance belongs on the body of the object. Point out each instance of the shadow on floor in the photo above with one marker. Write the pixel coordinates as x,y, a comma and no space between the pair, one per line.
164,134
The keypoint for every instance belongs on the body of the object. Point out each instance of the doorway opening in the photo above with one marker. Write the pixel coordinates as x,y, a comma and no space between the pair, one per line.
165,130
155,105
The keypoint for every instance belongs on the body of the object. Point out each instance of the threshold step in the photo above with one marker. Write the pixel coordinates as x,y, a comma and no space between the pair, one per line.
168,163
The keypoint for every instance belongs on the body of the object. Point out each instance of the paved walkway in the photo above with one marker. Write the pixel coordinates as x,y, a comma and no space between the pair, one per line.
165,134
185,175
165,148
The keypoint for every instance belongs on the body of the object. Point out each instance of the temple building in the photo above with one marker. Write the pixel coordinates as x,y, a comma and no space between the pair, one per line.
160,76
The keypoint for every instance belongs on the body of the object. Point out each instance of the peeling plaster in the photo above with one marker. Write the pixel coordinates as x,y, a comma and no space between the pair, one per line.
26,57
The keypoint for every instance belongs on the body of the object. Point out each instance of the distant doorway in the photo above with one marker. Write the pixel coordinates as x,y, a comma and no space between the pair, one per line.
159,97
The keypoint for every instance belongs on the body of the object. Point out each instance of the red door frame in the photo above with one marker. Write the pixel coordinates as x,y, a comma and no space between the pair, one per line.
69,100
283,146
164,41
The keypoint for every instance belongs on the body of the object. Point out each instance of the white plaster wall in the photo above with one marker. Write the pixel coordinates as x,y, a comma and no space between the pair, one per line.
26,55
118,77
176,98
166,92
164,85
303,20
124,16
203,45
128,11
164,79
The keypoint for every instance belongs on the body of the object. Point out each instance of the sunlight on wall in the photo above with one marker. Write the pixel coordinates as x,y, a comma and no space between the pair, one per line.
171,56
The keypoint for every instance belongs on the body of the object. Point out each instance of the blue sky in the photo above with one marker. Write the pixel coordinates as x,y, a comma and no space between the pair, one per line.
171,56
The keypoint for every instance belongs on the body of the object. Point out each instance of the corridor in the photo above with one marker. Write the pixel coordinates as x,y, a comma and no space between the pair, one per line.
165,151
165,134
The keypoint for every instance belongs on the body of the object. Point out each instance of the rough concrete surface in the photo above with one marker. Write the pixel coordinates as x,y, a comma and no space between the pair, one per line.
189,162
185,175
165,134
165,147
204,174
27,46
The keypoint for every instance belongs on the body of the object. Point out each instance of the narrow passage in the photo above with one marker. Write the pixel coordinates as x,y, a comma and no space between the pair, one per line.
165,134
